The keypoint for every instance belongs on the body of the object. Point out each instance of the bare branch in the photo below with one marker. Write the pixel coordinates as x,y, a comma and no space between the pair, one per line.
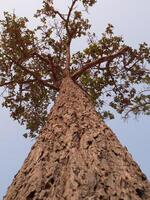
1,94
68,18
60,15
70,10
98,61
137,108
68,54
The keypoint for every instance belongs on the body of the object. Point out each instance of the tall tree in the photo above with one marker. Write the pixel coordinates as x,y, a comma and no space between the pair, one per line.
76,156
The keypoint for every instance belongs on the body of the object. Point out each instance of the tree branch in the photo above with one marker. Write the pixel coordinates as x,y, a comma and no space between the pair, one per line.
137,108
68,18
1,94
60,15
40,57
89,65
36,76
19,82
112,78
70,10
56,11
52,68
28,81
68,57
68,54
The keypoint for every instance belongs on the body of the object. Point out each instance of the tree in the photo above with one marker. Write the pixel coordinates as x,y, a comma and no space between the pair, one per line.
115,76
76,156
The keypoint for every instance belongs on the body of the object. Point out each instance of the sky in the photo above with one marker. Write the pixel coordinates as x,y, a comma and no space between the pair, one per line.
131,20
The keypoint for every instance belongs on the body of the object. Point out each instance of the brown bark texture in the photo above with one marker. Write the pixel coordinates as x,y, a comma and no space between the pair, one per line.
76,156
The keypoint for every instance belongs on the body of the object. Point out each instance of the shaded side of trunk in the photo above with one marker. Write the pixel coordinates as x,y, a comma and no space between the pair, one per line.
78,157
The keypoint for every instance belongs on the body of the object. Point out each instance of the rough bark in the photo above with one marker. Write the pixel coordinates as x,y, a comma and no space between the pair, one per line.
77,157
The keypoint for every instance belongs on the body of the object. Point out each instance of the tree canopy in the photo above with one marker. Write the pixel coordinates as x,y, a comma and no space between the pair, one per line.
33,63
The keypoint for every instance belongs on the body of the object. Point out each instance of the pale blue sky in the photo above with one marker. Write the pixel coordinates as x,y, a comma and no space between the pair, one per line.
131,20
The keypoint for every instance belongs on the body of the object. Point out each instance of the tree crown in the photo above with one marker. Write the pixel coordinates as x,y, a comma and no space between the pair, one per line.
34,62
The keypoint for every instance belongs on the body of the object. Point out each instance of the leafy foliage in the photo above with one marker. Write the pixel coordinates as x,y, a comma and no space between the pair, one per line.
33,63
121,83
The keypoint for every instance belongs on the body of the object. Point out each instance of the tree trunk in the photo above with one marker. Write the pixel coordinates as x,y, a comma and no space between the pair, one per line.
76,157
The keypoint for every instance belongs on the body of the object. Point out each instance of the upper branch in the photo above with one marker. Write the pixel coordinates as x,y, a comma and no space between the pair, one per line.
70,10
69,35
68,16
98,61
